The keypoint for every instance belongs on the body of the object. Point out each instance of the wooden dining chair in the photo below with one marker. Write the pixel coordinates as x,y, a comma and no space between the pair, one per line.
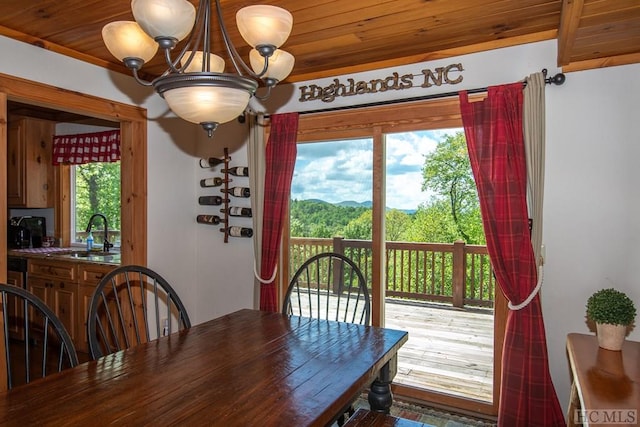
131,305
328,286
36,342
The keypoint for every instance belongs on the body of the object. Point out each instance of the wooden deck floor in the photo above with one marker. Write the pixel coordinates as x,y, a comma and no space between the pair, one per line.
449,350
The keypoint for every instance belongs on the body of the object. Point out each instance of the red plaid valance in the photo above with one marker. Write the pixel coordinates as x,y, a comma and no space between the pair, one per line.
87,148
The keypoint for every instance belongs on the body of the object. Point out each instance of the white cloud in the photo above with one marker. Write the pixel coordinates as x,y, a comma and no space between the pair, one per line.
342,170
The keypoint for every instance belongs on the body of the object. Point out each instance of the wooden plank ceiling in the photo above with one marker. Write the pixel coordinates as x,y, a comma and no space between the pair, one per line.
332,37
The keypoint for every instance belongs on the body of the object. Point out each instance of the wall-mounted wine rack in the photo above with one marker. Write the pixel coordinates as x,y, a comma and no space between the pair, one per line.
227,192
226,199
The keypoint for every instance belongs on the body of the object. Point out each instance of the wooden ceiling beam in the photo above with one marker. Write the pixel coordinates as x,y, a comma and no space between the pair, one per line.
612,61
569,23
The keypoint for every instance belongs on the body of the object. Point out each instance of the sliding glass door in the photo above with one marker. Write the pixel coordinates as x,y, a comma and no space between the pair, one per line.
391,190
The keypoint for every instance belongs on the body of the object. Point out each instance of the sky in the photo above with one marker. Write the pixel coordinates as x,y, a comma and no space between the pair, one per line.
338,171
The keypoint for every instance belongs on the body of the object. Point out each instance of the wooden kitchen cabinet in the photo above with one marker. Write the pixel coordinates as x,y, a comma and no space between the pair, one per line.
29,165
67,288
89,276
15,278
61,296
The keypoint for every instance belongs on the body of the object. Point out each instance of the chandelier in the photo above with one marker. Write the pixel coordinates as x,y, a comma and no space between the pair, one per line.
195,85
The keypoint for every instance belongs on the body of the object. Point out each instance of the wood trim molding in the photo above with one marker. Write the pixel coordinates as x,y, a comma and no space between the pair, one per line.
3,185
133,124
425,115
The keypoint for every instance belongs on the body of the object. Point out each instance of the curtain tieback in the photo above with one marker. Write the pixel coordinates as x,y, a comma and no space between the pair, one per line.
264,282
531,296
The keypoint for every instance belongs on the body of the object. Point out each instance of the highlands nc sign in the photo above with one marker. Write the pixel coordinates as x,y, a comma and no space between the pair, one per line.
451,75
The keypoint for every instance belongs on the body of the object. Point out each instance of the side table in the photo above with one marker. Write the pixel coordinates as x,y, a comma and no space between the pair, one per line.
605,387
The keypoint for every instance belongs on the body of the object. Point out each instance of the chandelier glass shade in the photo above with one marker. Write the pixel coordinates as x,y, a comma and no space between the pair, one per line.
195,85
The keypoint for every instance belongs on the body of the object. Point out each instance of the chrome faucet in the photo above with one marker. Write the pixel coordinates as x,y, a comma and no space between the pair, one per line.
106,245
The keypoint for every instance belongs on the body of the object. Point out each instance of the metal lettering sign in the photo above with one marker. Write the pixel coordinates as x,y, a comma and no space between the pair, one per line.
441,75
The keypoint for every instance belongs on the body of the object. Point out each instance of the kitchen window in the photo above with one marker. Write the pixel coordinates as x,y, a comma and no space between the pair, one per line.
95,188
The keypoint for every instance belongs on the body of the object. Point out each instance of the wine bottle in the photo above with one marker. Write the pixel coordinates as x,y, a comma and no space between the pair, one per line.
236,231
237,191
208,219
211,200
237,171
216,181
211,162
237,211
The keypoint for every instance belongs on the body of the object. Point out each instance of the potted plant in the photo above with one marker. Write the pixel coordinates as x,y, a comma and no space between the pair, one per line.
612,311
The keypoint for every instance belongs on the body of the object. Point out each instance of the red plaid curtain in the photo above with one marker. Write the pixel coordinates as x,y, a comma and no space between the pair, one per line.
493,128
87,148
280,156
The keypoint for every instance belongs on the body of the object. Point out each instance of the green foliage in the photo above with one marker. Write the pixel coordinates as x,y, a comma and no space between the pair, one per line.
98,191
447,172
611,306
359,228
314,218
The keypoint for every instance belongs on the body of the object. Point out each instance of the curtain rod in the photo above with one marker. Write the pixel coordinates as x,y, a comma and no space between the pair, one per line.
558,80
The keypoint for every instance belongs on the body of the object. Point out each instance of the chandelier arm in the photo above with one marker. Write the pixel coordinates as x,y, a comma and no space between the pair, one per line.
171,64
191,44
266,95
206,44
138,79
231,50
264,68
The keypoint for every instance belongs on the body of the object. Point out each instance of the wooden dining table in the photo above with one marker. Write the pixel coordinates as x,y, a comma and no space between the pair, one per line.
243,369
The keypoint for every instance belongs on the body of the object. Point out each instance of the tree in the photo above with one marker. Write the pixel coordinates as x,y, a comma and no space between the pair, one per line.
447,172
98,191
359,228
396,225
432,223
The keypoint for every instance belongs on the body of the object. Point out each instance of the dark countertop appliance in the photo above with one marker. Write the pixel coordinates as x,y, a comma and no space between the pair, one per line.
26,232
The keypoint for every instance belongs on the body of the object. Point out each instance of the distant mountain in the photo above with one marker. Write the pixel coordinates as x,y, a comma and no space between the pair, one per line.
316,201
353,204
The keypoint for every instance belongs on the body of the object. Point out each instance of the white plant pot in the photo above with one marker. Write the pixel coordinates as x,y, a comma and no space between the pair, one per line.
611,337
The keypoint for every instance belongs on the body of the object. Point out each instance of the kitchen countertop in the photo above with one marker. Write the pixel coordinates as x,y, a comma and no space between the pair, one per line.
73,254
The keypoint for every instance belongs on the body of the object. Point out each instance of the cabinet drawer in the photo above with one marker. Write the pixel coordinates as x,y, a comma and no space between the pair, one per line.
59,270
90,274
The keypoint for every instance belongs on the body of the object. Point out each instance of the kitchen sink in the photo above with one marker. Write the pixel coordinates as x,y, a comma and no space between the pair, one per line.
89,255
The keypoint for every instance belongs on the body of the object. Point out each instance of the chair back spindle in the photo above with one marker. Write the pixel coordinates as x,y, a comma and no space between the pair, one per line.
36,343
131,305
329,286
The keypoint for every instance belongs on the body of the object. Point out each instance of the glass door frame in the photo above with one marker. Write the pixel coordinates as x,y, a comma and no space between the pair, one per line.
375,122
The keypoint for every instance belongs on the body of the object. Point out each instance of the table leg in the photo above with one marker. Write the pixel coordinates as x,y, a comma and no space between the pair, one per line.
574,404
380,397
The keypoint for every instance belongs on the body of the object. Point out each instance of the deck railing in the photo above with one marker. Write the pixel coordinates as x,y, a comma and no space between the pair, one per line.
452,273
